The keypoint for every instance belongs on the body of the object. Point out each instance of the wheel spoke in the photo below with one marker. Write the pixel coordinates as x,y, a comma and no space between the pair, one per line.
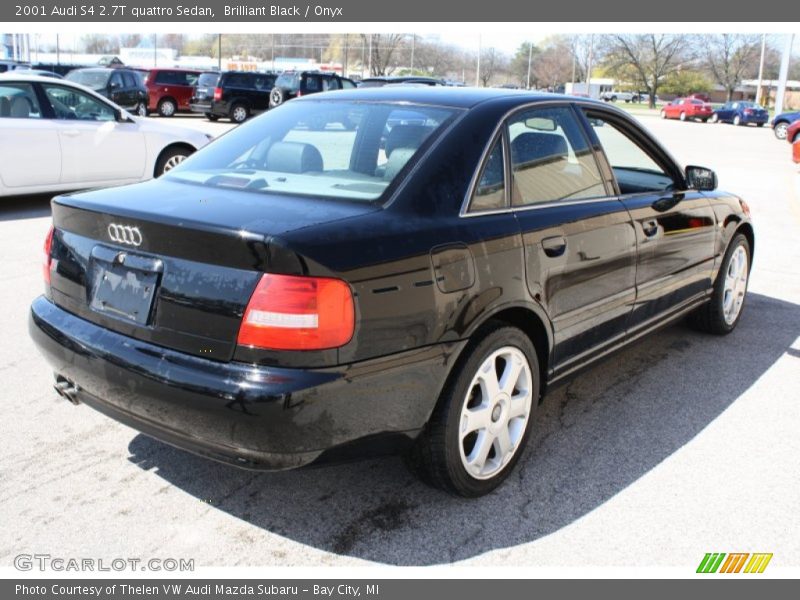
502,443
475,420
511,374
477,458
519,406
487,376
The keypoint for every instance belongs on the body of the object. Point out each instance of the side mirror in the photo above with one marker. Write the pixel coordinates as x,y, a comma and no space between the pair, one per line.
701,179
123,116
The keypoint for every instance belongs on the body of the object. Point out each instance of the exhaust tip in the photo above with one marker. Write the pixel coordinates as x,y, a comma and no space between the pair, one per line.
67,389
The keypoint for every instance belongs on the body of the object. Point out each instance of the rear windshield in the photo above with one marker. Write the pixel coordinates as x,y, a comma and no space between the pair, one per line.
289,81
338,150
208,79
95,80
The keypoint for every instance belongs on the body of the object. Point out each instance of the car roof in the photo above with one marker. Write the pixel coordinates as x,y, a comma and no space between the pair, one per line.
13,75
457,97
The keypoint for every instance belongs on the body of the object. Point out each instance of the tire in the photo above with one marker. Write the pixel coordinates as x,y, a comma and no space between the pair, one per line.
141,109
683,116
714,118
613,98
276,97
212,117
737,120
759,124
704,120
441,455
171,157
663,114
239,113
780,130
723,311
167,108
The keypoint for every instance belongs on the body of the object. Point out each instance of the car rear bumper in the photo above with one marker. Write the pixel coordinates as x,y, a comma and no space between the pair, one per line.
247,415
200,107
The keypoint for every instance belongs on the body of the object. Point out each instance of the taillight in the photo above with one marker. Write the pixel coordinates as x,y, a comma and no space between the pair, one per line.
298,313
47,259
748,111
217,93
299,93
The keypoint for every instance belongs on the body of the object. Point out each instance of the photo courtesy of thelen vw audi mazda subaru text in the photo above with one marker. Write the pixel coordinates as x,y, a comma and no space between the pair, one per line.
392,268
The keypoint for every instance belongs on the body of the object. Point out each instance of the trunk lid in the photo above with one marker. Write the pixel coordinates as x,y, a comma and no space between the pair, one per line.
173,263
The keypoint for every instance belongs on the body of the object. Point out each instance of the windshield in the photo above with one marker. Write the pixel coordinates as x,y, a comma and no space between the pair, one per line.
338,150
289,81
95,80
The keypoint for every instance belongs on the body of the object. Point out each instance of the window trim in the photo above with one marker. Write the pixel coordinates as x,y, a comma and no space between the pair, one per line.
502,138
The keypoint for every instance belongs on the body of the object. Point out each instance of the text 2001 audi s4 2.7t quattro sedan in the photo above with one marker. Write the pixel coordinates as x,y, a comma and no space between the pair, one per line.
294,294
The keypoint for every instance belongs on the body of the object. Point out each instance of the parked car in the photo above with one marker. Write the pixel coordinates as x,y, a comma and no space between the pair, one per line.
408,79
793,132
703,97
59,135
124,87
796,151
293,84
614,95
686,109
40,72
238,95
781,122
329,298
169,90
203,94
740,113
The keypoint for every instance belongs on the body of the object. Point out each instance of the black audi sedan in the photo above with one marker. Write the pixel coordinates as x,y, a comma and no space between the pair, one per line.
292,295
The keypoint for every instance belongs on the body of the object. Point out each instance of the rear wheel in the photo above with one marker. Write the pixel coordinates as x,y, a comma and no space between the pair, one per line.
780,130
721,314
239,113
212,117
171,158
737,120
714,118
166,108
663,114
276,97
141,109
483,418
759,124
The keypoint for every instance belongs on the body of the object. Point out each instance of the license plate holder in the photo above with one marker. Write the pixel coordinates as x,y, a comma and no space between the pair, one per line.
123,285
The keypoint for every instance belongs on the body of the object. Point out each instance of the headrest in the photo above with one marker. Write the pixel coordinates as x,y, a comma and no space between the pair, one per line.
20,108
536,147
406,136
293,157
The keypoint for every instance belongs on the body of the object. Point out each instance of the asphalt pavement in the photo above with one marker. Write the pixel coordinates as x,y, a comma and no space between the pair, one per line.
680,445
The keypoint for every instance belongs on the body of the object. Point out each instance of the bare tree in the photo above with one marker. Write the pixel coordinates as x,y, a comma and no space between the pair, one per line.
100,43
491,64
384,47
730,57
554,64
648,57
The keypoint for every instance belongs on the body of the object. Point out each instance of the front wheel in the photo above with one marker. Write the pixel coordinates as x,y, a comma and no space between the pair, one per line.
737,120
141,109
239,113
715,118
780,130
212,117
683,116
721,314
483,418
167,108
170,159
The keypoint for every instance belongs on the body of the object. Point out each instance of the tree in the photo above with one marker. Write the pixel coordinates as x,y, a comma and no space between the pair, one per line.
649,57
492,63
520,63
553,66
730,57
383,49
685,82
99,43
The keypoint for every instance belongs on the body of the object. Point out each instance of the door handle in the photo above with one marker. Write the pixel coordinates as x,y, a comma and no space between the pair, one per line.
71,132
650,228
554,246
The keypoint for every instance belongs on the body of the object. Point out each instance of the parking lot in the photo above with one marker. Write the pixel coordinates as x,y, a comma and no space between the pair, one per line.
680,445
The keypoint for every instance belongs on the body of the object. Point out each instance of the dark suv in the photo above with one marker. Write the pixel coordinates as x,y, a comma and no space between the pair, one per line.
293,84
237,95
124,87
204,93
169,90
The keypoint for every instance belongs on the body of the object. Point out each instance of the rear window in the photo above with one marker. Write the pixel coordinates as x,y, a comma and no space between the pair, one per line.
208,79
289,81
95,80
338,150
240,80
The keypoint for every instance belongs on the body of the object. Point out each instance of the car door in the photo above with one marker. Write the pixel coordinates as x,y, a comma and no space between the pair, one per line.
675,228
95,147
580,247
31,154
262,86
724,113
117,92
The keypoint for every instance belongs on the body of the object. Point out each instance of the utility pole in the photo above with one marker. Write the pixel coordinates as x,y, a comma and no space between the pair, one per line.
530,59
784,74
589,65
369,64
413,43
155,49
346,52
478,70
219,51
272,43
58,50
761,68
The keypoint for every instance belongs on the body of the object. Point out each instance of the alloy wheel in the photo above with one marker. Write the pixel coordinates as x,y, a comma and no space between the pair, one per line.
173,161
239,114
495,412
735,285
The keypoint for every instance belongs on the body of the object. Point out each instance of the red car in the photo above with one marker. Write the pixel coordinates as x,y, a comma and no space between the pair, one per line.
796,151
793,132
687,108
170,90
698,96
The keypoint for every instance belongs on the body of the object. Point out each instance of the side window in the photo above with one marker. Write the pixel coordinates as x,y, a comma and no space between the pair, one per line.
330,83
347,84
129,79
551,159
635,170
189,79
72,104
490,193
115,81
312,84
18,101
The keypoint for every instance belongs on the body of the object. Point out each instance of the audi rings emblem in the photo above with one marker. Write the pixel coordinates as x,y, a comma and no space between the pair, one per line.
125,234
